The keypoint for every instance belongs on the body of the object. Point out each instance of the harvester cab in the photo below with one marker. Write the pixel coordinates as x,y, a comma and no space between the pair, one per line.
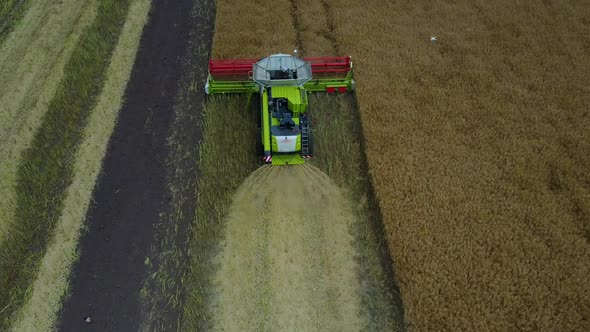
282,82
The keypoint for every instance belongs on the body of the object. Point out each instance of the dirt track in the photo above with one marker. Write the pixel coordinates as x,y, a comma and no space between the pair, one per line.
288,260
127,200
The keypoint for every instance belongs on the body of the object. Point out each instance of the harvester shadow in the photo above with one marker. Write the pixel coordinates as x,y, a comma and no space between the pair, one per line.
376,222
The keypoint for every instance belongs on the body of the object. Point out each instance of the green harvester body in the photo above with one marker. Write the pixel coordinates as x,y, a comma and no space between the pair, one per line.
282,82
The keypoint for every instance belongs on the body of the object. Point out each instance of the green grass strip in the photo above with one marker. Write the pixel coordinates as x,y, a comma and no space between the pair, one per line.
46,168
11,11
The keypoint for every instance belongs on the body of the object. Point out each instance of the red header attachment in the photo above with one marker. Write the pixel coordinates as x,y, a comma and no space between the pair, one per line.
241,69
231,69
329,67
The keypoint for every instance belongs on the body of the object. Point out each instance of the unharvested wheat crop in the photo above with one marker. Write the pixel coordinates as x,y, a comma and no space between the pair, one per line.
479,149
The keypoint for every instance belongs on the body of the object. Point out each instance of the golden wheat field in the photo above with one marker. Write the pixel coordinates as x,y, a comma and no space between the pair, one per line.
478,147
479,150
238,35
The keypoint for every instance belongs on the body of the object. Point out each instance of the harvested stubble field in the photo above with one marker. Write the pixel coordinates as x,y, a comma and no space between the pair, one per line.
479,149
226,225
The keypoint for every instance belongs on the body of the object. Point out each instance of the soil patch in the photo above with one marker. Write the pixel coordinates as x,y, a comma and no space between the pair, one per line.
163,294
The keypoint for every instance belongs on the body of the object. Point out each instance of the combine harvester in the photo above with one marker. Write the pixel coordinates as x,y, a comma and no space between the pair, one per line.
283,82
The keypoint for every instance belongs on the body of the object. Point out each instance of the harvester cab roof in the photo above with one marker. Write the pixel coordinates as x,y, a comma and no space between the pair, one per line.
281,69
